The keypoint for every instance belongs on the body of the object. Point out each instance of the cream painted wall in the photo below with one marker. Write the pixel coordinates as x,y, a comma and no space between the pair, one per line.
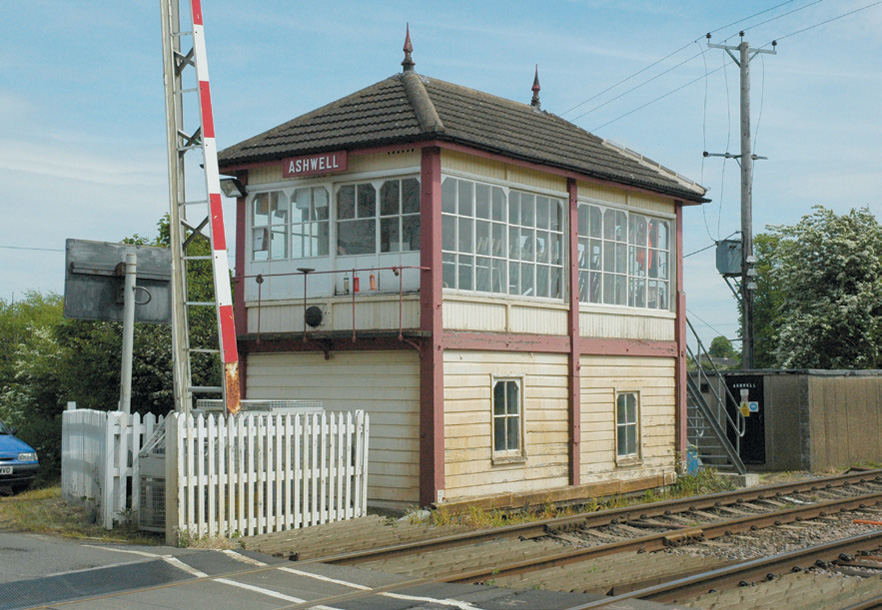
383,383
654,380
468,379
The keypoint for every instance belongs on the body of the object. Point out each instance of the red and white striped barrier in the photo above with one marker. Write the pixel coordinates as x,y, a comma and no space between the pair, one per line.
221,267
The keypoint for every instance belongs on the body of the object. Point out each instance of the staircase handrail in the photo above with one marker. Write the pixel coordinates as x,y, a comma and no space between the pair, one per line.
740,423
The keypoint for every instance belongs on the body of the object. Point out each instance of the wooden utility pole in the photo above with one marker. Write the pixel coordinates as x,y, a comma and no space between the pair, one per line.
746,159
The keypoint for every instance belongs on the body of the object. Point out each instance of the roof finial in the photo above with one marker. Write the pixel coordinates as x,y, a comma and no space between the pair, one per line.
408,49
535,102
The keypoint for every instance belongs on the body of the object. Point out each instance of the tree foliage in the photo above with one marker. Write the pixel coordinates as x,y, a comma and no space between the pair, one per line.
819,292
721,347
46,360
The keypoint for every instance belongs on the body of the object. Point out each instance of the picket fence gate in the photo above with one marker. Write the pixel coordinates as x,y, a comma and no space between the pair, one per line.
256,473
99,465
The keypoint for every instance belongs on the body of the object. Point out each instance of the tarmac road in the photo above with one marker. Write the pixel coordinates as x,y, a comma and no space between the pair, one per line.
48,572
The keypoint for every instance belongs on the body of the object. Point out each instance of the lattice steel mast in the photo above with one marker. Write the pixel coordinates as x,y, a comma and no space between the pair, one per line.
194,103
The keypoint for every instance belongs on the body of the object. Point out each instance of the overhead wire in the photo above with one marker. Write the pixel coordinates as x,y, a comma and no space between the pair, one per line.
811,27
671,54
32,249
704,136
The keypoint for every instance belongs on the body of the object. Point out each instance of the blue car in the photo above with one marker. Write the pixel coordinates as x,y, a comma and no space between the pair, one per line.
18,461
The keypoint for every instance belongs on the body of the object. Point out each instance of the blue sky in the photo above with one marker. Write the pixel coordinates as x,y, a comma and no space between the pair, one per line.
82,135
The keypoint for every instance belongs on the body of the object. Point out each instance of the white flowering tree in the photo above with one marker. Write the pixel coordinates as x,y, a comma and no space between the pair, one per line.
819,294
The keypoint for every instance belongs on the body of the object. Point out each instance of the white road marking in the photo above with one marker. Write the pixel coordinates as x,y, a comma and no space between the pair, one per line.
183,566
269,592
242,558
445,602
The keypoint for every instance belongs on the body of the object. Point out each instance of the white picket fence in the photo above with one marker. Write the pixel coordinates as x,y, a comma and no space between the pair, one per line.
260,472
99,464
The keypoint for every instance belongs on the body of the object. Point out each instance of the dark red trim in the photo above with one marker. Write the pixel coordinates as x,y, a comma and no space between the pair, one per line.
294,343
574,373
627,347
506,342
432,353
681,433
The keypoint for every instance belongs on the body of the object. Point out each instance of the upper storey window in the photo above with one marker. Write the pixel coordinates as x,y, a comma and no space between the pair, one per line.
394,209
498,242
372,217
624,258
270,226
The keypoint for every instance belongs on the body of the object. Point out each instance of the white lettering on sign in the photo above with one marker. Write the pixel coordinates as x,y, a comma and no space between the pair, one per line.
315,164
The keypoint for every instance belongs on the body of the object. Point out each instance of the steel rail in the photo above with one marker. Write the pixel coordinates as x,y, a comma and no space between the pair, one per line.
605,517
733,575
655,542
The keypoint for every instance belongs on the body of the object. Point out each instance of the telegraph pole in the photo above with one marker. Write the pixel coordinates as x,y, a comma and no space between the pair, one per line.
746,159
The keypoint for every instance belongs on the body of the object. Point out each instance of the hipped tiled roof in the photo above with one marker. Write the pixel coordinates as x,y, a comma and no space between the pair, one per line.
411,108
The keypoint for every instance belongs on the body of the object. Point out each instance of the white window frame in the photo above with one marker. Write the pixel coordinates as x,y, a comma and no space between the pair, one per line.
267,230
465,259
518,454
314,223
598,277
635,457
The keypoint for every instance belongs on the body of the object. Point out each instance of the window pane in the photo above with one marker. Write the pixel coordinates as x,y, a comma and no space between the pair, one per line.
514,243
608,288
482,274
410,230
609,256
596,287
261,210
389,239
279,242
595,256
609,224
410,196
556,214
555,250
621,409
663,235
662,265
528,210
556,289
512,400
632,408
389,198
320,203
466,197
514,433
637,297
542,247
300,210
346,202
514,275
322,238
621,258
259,239
594,213
466,275
499,398
465,235
631,440
621,227
638,230
583,220
482,237
448,196
514,208
356,237
498,434
621,441
482,200
527,287
448,262
500,284
542,281
528,245
499,248
299,240
663,296
448,233
621,297
367,200
542,213
498,204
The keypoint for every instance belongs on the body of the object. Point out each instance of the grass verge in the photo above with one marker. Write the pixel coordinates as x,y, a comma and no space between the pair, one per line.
42,511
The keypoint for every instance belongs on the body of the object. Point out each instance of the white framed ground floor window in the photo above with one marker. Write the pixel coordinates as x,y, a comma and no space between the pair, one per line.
627,427
508,420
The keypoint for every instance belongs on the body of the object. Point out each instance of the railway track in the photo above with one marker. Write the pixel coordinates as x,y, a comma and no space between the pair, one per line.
615,552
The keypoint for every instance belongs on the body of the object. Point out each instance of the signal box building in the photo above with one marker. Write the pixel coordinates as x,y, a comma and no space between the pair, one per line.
500,289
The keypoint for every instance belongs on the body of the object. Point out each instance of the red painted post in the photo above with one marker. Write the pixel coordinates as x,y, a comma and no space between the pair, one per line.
574,375
681,343
432,353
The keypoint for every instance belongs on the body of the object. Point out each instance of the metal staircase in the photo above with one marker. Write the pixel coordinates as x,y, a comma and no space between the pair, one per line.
707,419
